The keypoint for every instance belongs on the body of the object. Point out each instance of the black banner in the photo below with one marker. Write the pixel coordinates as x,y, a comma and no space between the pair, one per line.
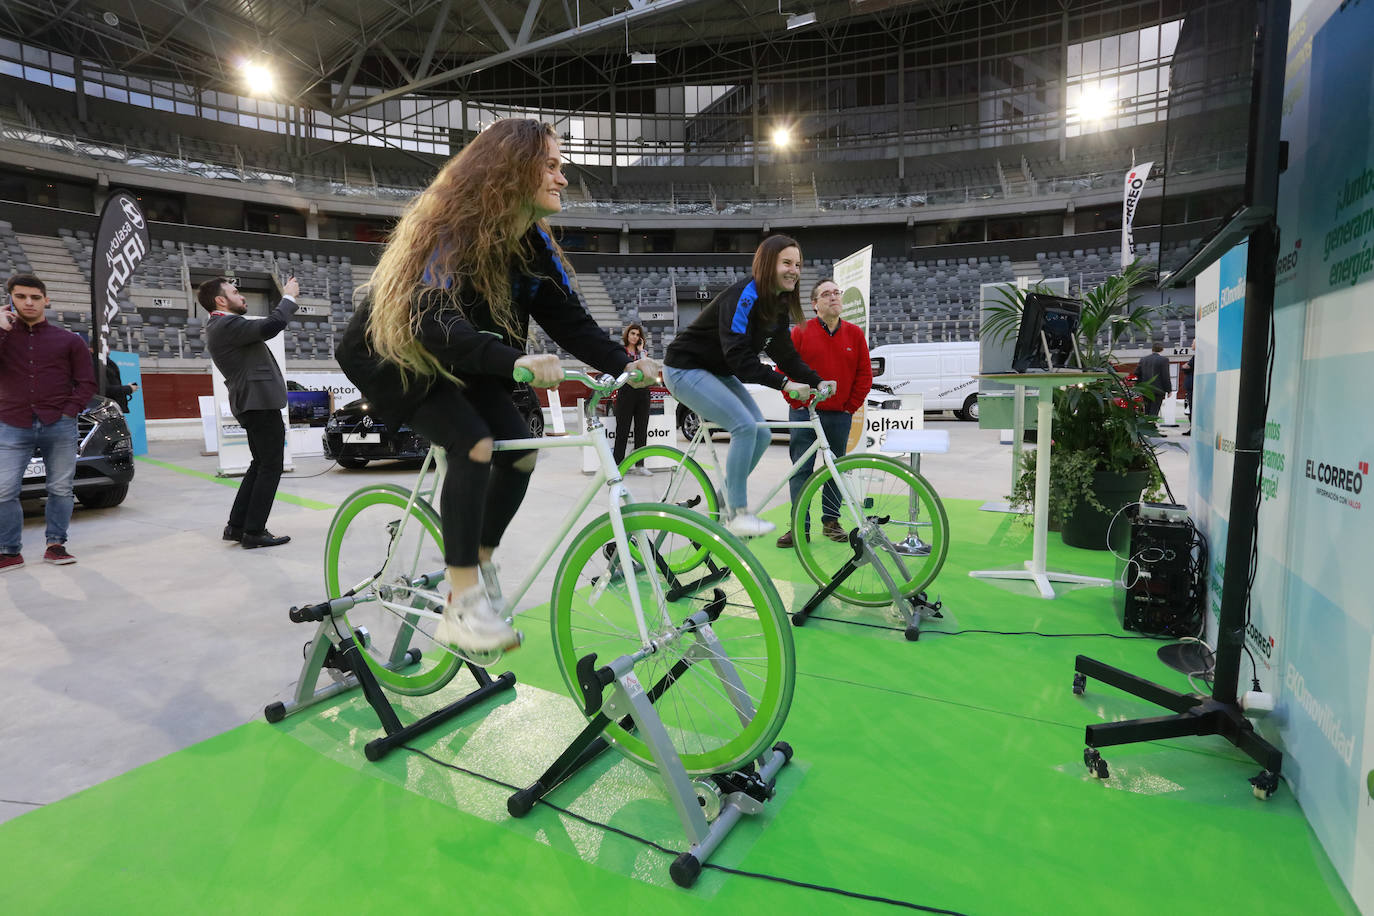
121,241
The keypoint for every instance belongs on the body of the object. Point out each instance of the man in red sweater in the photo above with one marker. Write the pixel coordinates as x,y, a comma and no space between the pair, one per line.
836,350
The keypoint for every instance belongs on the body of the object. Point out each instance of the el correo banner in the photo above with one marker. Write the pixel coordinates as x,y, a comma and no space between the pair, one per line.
121,241
1130,202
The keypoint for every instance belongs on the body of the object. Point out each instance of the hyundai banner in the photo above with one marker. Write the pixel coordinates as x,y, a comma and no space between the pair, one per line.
121,241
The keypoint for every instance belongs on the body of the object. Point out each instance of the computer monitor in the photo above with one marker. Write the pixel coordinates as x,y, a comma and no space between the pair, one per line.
1048,335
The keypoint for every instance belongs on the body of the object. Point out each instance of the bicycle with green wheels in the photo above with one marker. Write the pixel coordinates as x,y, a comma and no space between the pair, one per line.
896,532
693,678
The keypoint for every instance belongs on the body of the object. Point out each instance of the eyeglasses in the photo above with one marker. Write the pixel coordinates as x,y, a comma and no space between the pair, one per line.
828,294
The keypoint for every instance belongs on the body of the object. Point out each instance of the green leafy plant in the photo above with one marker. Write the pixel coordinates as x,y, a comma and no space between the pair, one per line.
1099,425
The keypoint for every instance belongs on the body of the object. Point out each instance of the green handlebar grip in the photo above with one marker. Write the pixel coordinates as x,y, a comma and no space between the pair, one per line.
521,374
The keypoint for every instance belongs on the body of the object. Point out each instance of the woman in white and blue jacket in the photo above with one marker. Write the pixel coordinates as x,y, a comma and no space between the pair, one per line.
708,362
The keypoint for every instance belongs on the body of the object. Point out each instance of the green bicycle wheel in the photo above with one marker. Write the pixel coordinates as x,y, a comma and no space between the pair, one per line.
373,549
683,483
911,544
714,727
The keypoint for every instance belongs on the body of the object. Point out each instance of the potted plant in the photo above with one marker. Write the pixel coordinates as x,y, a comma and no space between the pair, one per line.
1100,461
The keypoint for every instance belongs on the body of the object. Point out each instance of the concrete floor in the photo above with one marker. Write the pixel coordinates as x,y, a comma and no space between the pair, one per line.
163,635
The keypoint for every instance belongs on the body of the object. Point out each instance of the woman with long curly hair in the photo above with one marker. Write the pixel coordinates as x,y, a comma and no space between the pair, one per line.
708,362
443,326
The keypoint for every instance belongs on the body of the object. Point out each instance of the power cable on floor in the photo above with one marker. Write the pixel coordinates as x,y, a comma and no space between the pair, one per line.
659,847
879,626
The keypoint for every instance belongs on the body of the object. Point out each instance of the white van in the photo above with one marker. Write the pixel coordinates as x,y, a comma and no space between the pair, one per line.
945,373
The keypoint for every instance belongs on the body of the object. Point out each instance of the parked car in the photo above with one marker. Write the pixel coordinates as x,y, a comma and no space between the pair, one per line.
104,458
353,436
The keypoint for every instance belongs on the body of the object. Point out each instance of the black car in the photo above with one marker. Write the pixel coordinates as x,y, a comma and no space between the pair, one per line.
104,458
353,436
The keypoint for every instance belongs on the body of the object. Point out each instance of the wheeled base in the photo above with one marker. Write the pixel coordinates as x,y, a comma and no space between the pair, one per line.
708,807
338,647
908,608
1193,716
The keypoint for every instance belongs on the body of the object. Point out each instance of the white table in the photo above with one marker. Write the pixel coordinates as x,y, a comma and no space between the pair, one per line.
1035,571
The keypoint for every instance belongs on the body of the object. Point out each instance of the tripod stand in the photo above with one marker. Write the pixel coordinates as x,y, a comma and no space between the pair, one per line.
1221,714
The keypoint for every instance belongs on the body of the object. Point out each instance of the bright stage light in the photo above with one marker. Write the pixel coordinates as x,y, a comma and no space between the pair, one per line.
258,78
782,137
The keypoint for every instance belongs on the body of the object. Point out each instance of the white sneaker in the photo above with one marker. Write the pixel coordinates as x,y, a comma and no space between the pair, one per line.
745,525
471,624
641,471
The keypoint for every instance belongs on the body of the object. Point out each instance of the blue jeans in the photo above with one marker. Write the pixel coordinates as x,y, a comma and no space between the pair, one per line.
56,442
723,400
835,424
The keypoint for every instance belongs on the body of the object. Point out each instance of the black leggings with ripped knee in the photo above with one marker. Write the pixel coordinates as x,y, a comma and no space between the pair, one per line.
478,498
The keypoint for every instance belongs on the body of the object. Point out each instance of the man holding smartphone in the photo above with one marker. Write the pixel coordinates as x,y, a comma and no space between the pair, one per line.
257,394
46,379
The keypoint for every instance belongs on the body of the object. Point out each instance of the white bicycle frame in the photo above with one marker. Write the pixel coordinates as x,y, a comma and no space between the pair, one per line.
607,473
847,497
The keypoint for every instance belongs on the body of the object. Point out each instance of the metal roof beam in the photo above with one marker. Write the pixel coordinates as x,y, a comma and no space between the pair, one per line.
615,21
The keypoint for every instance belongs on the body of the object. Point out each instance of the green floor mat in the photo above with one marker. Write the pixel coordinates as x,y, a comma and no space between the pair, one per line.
945,773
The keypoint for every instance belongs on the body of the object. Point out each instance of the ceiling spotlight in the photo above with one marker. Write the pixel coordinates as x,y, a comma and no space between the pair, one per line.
258,77
643,57
799,20
110,18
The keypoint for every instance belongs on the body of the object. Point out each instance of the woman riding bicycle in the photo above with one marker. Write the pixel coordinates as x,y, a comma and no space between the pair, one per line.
444,325
708,362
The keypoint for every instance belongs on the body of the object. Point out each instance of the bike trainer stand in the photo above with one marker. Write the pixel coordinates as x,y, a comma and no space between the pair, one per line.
907,609
708,807
339,647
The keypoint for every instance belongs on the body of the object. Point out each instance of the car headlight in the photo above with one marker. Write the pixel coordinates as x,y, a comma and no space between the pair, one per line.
104,413
332,423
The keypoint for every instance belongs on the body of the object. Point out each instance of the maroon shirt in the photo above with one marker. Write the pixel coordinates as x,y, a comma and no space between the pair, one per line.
45,371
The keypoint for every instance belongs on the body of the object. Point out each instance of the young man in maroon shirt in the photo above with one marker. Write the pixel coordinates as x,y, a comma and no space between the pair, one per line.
46,379
837,350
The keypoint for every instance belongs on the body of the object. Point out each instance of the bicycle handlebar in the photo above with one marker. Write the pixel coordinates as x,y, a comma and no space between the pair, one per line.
603,384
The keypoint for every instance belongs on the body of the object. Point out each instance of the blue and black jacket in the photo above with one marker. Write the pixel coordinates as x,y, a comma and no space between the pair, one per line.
728,336
457,326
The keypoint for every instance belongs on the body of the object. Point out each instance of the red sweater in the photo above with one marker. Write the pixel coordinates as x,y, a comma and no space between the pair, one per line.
45,372
841,357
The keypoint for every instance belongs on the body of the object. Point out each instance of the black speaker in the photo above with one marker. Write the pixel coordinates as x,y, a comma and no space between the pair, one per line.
1159,584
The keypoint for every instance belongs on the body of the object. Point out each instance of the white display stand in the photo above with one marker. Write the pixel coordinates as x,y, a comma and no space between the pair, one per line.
208,425
231,442
556,414
661,432
306,441
1035,570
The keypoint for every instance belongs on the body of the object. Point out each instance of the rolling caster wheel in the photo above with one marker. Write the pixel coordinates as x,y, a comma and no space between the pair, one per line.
1080,682
913,632
1094,762
1264,785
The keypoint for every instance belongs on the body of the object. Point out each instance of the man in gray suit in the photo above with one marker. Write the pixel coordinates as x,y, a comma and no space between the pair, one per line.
257,394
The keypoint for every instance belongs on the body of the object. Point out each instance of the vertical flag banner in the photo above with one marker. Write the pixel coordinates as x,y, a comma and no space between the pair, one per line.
121,241
1130,201
852,276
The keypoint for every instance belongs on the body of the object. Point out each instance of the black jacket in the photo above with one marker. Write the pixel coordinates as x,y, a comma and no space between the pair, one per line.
115,389
458,328
728,336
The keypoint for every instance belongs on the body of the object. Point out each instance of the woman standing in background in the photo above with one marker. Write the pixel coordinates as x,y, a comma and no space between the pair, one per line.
632,404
